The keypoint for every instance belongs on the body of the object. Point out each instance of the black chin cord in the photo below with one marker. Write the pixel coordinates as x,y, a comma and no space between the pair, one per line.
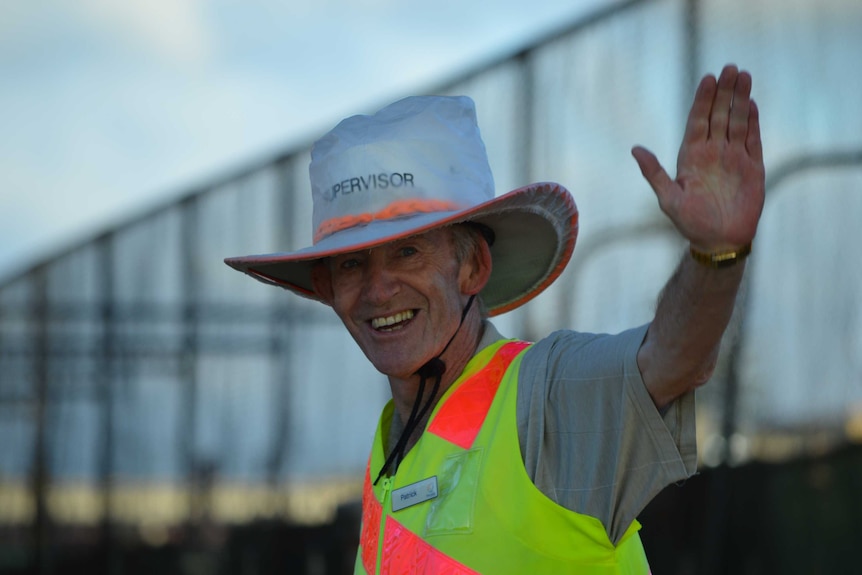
434,367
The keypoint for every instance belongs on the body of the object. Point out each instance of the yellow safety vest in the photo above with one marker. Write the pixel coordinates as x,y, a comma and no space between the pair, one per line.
462,503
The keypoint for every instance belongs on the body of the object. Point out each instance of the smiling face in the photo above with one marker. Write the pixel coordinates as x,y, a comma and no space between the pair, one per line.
402,301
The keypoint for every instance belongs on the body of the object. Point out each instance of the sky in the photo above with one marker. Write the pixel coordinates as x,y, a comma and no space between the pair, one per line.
110,108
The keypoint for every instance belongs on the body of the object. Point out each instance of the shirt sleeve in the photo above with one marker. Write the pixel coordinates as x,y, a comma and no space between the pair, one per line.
591,438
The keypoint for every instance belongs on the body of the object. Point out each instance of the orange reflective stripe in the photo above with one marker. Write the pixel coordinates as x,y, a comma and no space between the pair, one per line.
394,210
406,553
370,535
461,417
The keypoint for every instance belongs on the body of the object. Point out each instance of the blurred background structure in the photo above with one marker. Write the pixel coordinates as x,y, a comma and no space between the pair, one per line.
160,412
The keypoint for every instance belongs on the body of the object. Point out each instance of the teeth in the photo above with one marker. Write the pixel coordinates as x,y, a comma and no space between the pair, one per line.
381,322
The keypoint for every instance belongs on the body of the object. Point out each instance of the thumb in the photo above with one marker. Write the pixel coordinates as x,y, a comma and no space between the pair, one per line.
651,169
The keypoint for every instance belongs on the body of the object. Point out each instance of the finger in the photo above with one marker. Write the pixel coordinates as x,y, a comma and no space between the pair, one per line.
738,129
752,142
722,102
654,173
697,125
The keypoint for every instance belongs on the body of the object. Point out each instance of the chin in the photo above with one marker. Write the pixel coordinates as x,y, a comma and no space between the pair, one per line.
396,371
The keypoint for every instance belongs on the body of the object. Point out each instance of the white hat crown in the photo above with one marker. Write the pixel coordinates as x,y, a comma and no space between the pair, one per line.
422,154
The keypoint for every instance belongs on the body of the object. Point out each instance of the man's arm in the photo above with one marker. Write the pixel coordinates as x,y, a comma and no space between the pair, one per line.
715,202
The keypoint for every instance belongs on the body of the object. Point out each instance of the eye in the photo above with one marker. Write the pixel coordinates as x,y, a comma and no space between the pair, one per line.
407,251
349,263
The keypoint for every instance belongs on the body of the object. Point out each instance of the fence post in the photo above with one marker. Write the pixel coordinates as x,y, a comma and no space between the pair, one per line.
40,479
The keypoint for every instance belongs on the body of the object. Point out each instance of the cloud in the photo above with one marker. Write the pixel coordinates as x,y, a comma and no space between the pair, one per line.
174,31
164,30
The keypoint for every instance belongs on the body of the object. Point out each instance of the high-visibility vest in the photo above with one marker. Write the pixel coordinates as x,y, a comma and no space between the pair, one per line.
461,501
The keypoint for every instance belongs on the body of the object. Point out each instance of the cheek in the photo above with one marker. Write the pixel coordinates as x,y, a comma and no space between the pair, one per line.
341,304
345,286
449,296
342,301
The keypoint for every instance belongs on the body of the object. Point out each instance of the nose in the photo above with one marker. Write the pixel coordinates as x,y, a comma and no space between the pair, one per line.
380,284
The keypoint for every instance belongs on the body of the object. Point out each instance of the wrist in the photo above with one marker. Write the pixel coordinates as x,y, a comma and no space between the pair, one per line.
720,259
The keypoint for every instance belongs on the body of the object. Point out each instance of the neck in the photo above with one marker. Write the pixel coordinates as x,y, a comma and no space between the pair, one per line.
456,357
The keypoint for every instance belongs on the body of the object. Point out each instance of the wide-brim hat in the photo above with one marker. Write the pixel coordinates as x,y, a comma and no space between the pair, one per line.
415,166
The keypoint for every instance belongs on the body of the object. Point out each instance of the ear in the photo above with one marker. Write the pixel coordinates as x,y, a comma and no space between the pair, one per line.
321,279
476,269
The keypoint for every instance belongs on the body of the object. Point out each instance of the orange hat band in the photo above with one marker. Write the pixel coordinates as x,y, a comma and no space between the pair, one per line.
394,210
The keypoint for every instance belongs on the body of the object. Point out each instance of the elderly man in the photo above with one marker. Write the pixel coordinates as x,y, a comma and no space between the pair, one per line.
496,455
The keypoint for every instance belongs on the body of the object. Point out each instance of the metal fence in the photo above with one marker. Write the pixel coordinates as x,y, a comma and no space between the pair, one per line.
144,383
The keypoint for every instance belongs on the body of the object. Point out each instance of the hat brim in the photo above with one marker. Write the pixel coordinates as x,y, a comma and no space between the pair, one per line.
535,227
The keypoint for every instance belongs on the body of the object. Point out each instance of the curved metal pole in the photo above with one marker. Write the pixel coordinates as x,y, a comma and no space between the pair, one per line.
783,172
611,236
603,240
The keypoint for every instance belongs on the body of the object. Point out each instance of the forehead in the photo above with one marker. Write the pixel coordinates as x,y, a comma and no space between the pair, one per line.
437,238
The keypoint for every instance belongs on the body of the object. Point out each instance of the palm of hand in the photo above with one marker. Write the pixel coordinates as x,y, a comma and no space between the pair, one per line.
717,197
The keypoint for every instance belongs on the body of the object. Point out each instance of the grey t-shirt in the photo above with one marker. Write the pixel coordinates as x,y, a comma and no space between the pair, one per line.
591,437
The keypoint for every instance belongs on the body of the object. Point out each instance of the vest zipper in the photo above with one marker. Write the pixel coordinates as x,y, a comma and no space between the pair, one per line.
385,505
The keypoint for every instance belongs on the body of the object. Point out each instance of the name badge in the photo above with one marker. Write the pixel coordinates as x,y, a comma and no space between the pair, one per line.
414,493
